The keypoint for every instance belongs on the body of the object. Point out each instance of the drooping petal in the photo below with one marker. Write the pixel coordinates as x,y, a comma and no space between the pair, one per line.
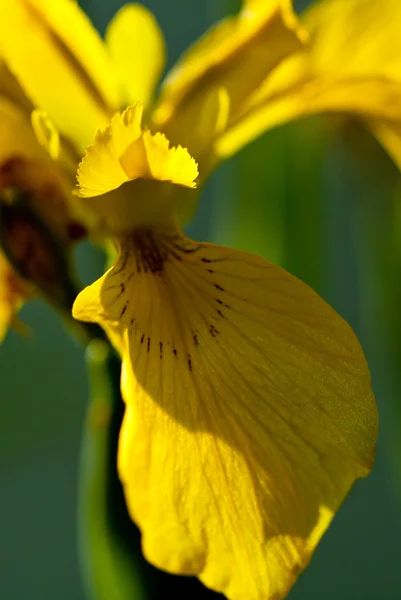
123,153
235,55
326,94
136,44
351,64
249,410
61,63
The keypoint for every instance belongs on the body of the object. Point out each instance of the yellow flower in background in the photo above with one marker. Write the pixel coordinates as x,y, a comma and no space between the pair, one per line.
100,78
249,411
350,64
203,95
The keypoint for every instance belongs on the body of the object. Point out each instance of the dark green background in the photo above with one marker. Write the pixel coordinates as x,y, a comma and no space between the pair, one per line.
325,210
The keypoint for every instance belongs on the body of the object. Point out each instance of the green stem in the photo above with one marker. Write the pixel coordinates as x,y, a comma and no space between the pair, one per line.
107,566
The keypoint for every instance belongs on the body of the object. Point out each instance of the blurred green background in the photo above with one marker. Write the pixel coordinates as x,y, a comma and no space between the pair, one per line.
319,197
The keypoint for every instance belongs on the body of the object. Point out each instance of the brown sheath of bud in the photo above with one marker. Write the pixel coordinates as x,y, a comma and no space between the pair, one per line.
33,184
32,250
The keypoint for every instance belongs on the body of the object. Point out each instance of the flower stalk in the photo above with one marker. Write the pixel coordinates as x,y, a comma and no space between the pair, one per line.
107,567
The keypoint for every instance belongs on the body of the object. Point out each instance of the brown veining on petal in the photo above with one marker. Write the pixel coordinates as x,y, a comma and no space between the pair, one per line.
158,263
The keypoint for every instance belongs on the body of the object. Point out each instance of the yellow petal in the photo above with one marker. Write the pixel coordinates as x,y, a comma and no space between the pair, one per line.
123,153
249,410
235,55
16,135
351,64
46,133
357,37
61,63
136,44
367,98
57,147
389,135
10,89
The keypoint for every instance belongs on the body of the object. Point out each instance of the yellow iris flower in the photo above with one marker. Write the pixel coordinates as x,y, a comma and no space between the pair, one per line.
350,64
342,56
249,410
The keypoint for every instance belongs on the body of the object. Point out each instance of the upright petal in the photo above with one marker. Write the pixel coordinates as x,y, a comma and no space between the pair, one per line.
249,410
235,55
136,44
46,133
61,63
351,64
125,153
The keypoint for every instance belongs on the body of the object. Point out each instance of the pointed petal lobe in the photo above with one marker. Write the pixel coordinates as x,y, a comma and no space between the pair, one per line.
136,44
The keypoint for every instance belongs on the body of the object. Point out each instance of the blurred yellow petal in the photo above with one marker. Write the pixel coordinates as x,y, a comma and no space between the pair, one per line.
268,108
351,64
249,410
136,44
356,37
389,135
61,63
235,55
46,133
216,53
10,89
16,135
